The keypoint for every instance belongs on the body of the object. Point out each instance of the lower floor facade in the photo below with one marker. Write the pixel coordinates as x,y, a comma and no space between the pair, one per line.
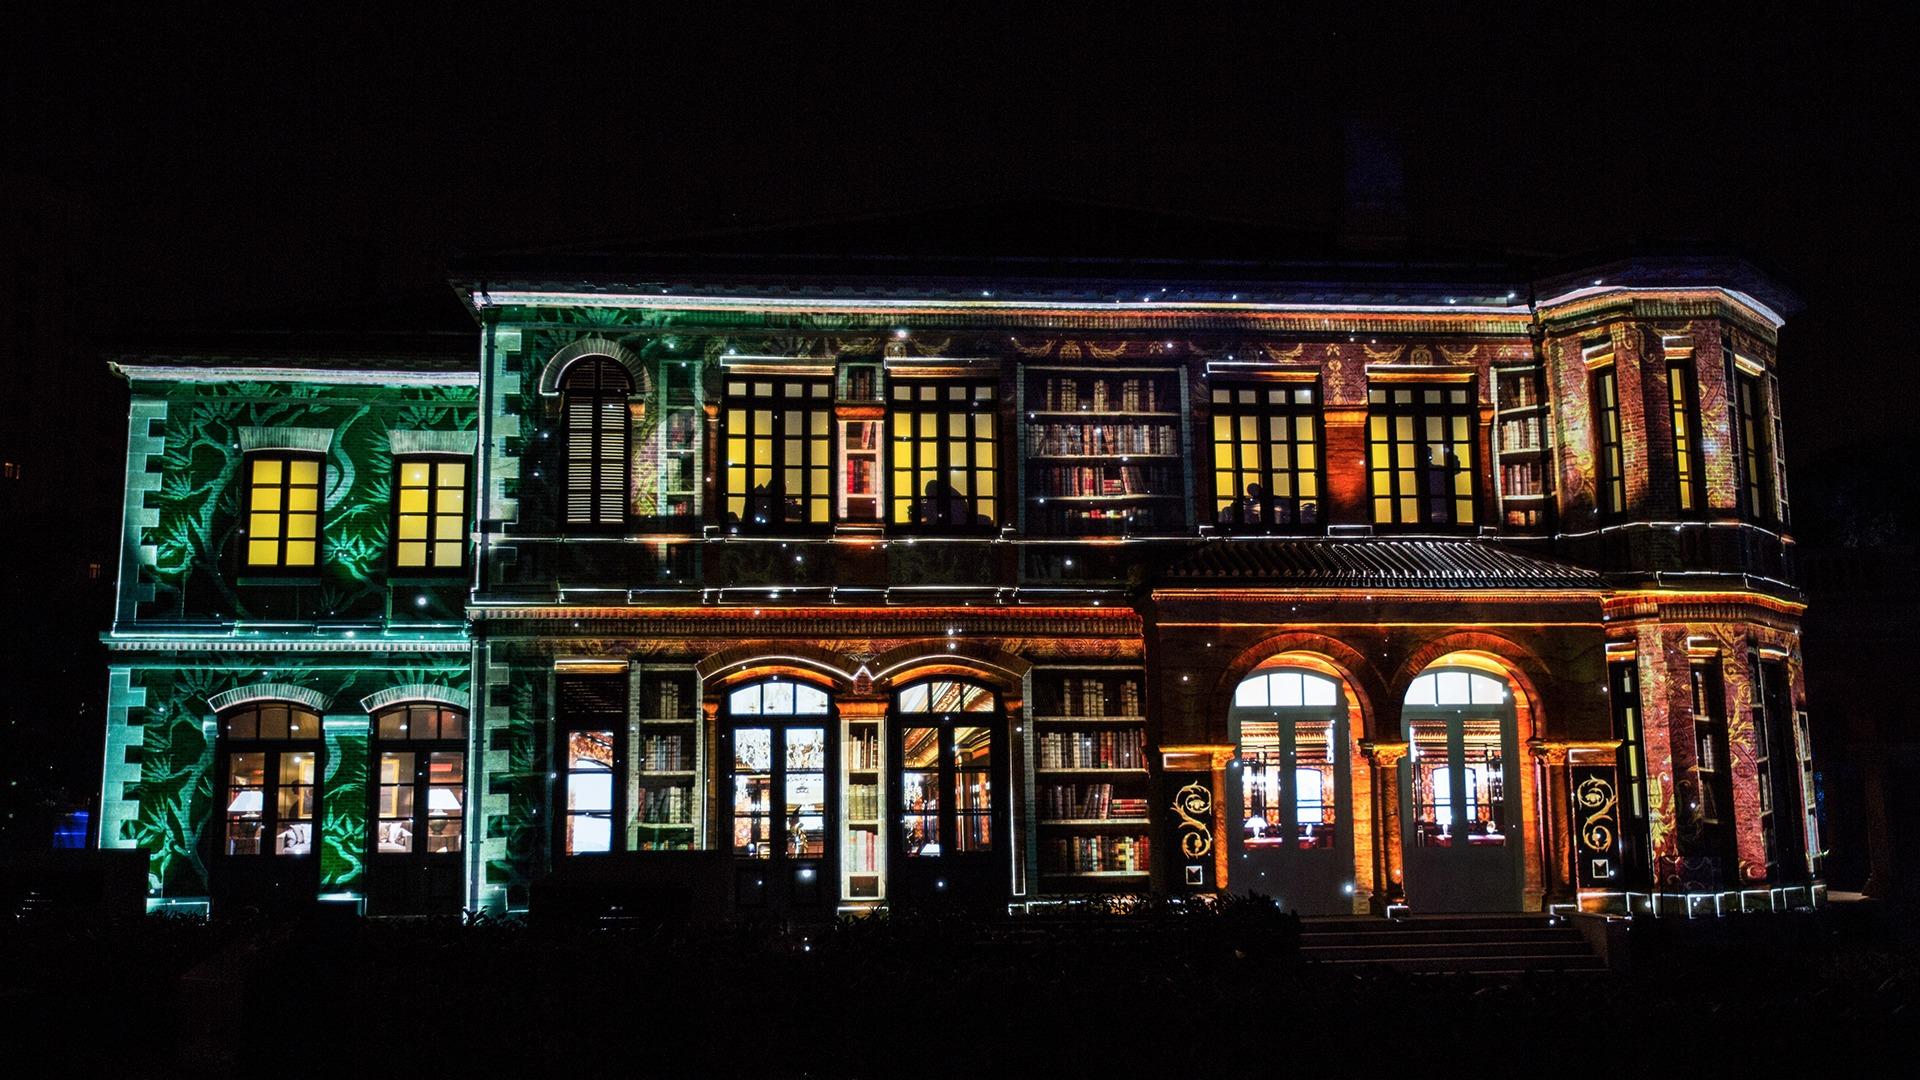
1340,751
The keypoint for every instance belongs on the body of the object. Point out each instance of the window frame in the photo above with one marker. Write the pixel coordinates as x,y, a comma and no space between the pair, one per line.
1609,442
430,569
1683,415
598,395
1263,410
228,746
940,406
1752,427
1387,408
778,724
421,781
567,721
280,568
946,767
777,403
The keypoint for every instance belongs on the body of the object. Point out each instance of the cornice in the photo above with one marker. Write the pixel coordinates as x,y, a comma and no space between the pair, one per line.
748,623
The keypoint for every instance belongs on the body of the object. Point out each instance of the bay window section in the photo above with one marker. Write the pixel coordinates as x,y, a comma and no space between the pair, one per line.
1266,457
1610,495
1756,487
779,453
1420,454
944,454
1683,406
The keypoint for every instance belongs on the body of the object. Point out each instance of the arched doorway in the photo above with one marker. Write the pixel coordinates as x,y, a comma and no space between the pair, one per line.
949,817
1290,791
779,743
1462,835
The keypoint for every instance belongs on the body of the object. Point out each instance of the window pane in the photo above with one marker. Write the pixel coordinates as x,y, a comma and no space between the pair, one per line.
589,792
246,806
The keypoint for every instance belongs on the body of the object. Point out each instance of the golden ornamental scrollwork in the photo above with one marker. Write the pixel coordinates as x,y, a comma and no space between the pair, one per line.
1107,350
1460,356
1194,805
1596,796
1279,355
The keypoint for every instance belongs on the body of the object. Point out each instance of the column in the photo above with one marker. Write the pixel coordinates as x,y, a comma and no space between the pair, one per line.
1385,759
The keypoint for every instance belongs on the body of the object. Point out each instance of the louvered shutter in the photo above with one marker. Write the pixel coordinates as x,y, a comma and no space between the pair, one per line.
595,418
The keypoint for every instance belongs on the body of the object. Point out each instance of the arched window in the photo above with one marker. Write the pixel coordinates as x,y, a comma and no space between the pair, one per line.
271,753
595,418
780,733
420,755
1292,759
1457,723
946,737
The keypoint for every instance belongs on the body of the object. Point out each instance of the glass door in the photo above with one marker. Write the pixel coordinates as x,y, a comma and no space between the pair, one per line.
1292,787
948,824
780,736
1461,834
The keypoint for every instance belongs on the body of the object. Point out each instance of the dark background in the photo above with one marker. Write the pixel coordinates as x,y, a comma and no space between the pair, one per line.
299,166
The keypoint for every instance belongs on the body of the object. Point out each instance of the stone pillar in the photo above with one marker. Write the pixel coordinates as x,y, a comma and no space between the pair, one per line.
1556,830
1387,874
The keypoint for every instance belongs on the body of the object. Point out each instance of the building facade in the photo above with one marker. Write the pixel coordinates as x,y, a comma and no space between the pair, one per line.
729,588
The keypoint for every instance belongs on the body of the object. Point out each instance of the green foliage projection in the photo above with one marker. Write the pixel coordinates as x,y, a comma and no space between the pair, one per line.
343,808
197,535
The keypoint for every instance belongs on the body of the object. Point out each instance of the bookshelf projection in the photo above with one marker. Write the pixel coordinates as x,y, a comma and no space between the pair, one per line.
1090,779
1520,447
1103,452
863,865
662,795
676,441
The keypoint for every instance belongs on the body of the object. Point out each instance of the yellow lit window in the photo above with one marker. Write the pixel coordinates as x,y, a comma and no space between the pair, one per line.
943,455
1266,461
779,453
430,522
283,509
1420,455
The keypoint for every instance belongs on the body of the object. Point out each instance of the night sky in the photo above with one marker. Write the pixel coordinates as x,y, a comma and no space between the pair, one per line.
223,168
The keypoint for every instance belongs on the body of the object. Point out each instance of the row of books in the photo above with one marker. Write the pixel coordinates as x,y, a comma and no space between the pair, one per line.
1521,479
1082,480
672,805
863,852
1516,391
1088,696
1093,750
667,699
863,750
1520,433
1092,801
1087,854
863,802
1107,395
1106,438
666,753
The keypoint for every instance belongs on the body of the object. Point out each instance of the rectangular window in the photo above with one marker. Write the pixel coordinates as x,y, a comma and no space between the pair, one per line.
779,453
592,714
943,455
283,510
1420,453
1266,456
1610,498
430,514
1623,679
1683,405
1756,485
860,465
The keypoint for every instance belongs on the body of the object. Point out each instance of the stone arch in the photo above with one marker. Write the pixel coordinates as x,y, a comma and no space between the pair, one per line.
744,662
394,695
269,691
1339,658
1493,653
995,667
557,364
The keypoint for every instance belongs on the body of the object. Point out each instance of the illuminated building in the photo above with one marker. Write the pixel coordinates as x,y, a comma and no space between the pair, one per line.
731,585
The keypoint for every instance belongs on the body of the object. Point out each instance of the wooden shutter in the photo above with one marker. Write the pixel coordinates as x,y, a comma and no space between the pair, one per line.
595,418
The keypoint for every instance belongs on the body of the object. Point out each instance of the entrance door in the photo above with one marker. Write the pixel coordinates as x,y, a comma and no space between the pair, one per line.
780,741
1462,837
267,853
950,827
1292,790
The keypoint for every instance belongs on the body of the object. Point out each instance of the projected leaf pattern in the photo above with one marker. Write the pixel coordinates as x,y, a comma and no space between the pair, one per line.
198,498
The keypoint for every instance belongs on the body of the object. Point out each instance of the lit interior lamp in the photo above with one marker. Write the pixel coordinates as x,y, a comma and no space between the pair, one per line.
246,801
442,801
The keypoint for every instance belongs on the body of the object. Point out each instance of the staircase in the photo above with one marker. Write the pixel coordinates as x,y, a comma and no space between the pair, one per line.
1486,944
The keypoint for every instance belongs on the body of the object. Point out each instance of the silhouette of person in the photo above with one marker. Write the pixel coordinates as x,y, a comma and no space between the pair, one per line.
1253,507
